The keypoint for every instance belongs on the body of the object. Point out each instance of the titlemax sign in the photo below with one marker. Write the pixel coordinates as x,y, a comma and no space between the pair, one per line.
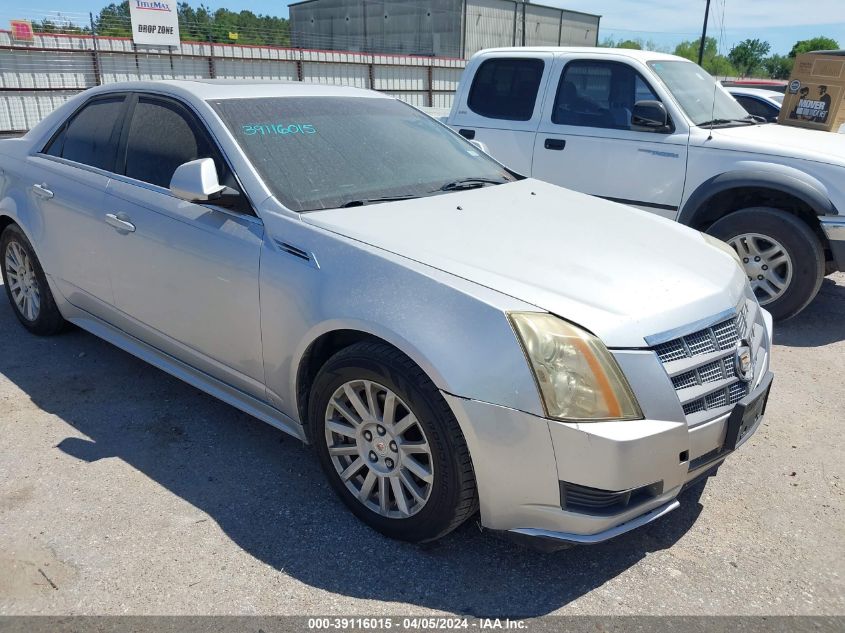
154,23
152,6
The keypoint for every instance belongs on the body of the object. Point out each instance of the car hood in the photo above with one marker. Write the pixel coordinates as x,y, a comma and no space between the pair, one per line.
782,140
621,273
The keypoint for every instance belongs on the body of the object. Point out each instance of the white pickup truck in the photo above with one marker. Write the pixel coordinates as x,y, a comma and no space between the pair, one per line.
657,132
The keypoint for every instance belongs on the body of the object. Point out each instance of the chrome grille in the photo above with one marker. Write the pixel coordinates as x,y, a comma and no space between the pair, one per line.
737,392
673,350
727,333
716,399
721,336
694,407
688,379
701,363
711,372
700,342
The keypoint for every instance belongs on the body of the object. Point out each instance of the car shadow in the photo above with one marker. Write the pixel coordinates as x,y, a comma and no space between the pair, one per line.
820,323
266,492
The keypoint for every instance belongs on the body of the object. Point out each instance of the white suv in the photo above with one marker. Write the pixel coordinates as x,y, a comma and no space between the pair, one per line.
657,132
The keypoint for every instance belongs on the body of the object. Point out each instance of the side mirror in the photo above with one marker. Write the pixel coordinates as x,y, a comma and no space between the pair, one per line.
196,181
480,146
650,115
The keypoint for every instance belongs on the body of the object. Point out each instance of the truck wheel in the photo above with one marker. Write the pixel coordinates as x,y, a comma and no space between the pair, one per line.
26,284
783,258
389,444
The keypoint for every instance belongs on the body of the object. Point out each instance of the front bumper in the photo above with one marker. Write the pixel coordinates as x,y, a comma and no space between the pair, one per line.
834,229
523,463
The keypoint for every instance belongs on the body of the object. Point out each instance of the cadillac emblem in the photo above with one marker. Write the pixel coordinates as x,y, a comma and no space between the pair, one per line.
743,361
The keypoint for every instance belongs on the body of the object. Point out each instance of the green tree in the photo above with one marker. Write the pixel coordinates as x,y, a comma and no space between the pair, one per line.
201,24
814,44
113,20
715,64
778,66
636,45
689,48
194,24
748,55
58,26
651,45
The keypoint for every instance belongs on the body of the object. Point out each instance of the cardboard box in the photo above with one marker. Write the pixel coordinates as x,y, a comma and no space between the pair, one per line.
815,95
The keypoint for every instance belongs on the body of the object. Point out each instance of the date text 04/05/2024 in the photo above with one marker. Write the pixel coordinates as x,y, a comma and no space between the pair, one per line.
415,623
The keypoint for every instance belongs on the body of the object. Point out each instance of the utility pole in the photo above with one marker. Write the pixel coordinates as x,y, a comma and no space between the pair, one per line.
703,34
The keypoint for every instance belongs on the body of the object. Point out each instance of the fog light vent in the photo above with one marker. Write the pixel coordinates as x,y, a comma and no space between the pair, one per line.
596,501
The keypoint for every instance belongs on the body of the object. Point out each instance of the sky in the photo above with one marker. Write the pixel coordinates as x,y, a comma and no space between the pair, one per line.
780,22
666,22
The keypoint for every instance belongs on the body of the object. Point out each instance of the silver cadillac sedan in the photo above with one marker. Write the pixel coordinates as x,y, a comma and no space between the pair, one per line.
450,336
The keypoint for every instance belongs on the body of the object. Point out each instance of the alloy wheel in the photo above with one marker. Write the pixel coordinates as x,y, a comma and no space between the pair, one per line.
767,264
23,282
379,449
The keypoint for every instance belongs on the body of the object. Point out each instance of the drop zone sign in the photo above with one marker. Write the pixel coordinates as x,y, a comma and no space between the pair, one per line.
154,22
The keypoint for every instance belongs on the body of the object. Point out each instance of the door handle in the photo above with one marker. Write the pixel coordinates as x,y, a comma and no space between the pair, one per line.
120,221
42,191
554,143
467,134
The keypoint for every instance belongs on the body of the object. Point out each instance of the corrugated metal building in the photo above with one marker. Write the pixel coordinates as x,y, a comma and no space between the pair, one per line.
443,28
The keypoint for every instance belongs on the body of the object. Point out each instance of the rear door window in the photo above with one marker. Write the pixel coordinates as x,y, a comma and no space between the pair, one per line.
90,136
506,88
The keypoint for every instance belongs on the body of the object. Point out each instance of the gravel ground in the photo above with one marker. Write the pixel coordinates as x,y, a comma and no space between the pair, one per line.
125,491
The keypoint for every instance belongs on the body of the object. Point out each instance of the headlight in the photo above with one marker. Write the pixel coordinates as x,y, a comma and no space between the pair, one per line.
578,377
715,241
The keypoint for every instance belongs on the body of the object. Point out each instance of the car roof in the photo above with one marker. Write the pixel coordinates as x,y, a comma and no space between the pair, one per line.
753,92
596,50
209,89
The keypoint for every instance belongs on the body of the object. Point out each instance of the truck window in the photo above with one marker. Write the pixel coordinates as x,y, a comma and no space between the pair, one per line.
506,88
599,94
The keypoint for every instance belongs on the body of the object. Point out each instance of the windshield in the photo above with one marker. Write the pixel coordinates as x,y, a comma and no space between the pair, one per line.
697,92
327,152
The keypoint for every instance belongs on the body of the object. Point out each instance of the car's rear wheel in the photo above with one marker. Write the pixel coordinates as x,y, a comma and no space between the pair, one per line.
390,445
26,284
782,257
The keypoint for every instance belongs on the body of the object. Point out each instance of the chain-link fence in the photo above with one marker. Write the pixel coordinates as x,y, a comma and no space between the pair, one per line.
412,49
71,55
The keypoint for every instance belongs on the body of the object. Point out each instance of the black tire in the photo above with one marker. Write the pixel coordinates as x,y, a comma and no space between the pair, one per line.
801,244
453,496
48,320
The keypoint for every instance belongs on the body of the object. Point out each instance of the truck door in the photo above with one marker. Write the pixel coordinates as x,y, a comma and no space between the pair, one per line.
585,140
501,106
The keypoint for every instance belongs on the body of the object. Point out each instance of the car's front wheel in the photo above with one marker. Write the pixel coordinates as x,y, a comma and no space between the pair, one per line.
26,284
390,445
782,257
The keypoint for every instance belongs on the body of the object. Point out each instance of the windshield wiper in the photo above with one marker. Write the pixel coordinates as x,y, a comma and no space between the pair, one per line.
748,119
365,201
470,183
